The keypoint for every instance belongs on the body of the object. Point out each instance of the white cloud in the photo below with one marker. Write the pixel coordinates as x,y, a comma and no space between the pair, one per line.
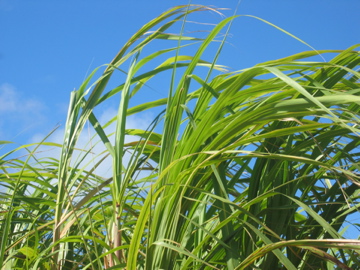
11,101
86,141
18,112
8,98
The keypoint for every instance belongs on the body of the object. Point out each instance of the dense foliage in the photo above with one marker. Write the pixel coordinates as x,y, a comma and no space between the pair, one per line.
253,169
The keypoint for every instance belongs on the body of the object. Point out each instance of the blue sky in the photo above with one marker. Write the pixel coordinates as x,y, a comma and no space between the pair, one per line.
48,47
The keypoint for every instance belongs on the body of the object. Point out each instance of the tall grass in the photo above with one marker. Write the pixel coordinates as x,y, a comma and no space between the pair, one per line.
253,169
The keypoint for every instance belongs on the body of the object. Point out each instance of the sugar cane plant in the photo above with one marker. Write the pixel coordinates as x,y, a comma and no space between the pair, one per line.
252,169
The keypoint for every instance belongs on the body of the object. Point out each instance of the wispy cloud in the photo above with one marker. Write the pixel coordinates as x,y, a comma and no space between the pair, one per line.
88,141
18,112
12,102
8,98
